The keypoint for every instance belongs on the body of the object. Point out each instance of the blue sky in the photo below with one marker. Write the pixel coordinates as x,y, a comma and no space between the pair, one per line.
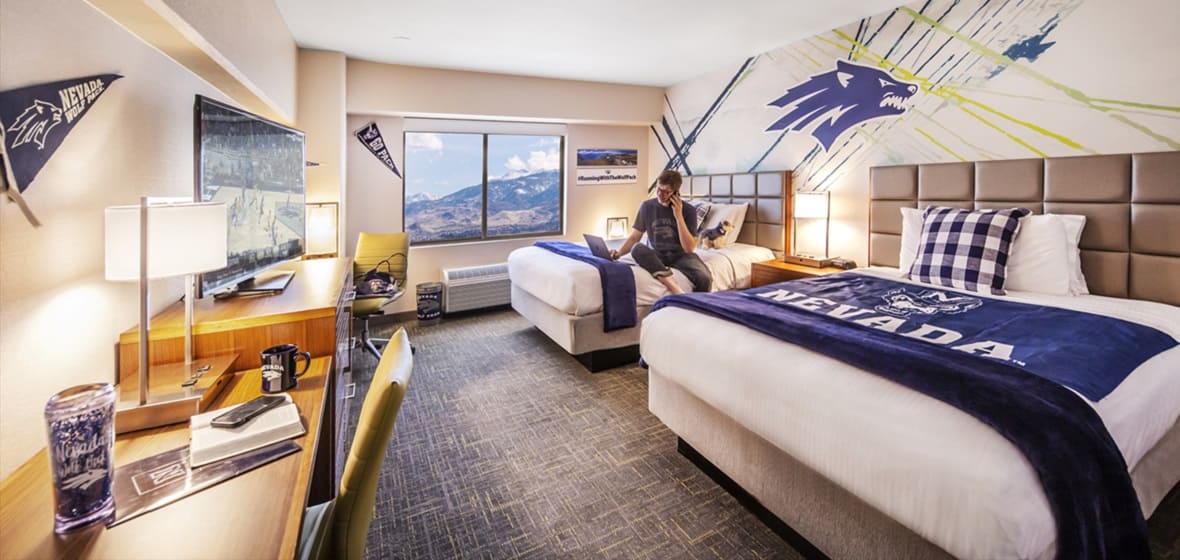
440,164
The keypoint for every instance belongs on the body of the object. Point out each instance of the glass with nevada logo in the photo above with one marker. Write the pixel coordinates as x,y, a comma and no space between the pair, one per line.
81,428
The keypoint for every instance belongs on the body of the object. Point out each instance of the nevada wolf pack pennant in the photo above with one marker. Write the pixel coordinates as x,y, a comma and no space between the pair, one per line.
371,138
36,119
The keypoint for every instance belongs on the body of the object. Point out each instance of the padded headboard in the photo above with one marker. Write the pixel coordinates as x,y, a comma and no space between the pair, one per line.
1131,242
768,194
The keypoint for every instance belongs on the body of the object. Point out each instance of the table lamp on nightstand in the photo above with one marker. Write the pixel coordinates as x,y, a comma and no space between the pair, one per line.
160,239
811,214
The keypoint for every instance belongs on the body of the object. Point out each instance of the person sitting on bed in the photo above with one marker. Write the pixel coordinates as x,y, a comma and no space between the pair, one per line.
671,227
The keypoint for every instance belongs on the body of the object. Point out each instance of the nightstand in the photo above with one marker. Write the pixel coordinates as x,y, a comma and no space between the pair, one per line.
769,272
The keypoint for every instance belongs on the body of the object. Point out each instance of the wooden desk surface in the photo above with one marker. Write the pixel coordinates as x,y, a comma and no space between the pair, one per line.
312,293
254,515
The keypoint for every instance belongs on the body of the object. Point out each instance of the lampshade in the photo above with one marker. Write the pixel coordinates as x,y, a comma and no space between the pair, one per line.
321,228
811,205
616,228
182,239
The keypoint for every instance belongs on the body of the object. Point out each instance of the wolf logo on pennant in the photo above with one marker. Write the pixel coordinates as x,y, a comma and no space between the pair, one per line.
35,120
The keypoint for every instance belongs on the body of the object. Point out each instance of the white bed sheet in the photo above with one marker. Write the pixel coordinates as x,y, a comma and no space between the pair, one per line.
938,471
575,288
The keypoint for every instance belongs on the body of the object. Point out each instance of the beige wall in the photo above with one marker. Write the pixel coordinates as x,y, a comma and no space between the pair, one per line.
59,318
321,115
253,37
389,89
614,116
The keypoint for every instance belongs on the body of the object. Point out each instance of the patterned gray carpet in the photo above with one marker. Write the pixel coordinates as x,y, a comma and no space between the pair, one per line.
506,448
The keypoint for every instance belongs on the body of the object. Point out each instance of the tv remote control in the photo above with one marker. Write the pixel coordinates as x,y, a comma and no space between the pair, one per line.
244,413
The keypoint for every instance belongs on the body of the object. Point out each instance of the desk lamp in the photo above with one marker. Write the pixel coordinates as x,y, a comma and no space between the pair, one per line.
616,228
158,239
322,221
810,209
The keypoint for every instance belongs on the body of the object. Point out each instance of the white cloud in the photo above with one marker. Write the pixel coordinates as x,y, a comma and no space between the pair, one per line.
424,141
538,161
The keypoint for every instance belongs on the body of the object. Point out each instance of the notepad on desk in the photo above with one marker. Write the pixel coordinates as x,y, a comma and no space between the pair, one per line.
210,444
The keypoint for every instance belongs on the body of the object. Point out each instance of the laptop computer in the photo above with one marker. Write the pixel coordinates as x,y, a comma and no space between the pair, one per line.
597,246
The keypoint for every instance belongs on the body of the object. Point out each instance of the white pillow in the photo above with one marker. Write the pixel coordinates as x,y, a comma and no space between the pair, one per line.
911,238
735,213
1039,260
1073,235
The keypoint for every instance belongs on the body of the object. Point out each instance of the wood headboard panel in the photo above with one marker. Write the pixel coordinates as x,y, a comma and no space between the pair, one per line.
1131,242
768,195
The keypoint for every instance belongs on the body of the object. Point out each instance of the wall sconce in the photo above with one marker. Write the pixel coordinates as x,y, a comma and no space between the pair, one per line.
616,228
153,240
322,225
810,212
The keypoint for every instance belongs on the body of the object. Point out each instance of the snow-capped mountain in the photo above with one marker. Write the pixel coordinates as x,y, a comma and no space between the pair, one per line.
525,204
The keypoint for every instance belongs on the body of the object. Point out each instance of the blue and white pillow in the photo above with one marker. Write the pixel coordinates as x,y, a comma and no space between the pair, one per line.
966,249
703,208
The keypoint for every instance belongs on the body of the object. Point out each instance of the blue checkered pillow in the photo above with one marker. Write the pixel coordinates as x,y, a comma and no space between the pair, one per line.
966,249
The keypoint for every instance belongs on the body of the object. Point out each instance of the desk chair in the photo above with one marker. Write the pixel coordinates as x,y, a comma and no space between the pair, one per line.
386,252
337,529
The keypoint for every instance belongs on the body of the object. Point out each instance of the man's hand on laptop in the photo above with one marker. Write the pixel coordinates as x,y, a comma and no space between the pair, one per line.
614,254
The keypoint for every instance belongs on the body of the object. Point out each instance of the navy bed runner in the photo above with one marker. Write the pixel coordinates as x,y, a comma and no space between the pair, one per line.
618,284
984,370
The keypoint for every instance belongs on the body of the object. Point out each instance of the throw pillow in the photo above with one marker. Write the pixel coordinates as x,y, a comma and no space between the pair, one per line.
966,249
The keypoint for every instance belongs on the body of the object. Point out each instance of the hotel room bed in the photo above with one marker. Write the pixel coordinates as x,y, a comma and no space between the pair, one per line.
563,297
863,467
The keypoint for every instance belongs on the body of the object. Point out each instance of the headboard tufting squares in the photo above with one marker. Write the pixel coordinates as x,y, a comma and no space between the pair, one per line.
1131,243
768,194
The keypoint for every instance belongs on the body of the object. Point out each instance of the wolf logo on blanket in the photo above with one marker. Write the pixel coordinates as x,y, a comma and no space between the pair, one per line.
902,303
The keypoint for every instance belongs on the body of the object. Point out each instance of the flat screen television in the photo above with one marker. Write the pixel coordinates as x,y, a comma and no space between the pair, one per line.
256,167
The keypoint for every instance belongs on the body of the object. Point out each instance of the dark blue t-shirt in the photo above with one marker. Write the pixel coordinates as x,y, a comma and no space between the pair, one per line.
659,223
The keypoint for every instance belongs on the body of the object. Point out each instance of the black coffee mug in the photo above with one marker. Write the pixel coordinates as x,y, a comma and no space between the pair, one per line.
278,367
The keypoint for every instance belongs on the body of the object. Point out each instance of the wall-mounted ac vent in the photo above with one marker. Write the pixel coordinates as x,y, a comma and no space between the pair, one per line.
476,287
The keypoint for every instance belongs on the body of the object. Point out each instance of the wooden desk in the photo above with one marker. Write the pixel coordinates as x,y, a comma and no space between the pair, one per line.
255,515
314,312
305,314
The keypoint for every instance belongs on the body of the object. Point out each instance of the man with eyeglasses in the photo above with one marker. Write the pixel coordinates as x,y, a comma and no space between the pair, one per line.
671,227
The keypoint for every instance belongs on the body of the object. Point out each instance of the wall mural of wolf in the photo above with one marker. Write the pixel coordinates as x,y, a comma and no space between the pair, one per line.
931,81
841,99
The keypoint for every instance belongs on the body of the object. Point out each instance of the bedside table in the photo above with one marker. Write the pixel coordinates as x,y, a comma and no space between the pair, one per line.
769,272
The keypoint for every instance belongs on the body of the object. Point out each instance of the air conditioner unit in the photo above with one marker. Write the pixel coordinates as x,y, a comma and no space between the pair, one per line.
476,287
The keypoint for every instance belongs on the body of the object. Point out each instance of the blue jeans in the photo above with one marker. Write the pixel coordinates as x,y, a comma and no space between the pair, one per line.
660,261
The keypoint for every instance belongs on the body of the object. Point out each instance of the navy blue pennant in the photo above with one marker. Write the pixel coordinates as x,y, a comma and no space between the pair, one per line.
36,119
370,136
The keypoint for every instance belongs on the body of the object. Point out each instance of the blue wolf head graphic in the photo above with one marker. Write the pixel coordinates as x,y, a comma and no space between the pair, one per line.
847,96
34,123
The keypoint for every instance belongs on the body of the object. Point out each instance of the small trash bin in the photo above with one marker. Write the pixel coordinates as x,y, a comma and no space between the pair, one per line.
429,302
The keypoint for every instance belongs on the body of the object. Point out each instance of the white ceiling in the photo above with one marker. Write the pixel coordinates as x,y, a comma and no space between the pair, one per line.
641,42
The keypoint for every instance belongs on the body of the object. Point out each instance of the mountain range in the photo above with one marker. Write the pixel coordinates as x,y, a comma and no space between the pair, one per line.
516,205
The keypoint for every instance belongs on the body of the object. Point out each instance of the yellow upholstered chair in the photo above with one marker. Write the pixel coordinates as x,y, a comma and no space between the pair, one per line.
386,252
337,529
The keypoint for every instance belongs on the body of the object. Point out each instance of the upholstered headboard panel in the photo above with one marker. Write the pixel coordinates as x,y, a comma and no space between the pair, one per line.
1131,243
768,194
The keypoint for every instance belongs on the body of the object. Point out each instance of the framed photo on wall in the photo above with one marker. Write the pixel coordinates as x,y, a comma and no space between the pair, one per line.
607,166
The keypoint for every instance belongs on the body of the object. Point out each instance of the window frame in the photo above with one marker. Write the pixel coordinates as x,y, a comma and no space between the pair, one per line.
484,192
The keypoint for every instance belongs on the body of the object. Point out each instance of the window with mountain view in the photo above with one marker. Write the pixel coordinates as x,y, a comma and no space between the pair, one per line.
448,198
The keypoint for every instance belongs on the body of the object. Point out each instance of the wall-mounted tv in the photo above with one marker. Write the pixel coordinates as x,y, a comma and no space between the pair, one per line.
256,167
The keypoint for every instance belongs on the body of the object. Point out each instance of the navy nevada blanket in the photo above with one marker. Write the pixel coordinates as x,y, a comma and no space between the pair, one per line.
618,284
990,358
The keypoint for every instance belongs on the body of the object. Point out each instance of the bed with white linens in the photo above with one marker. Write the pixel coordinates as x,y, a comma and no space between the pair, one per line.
563,297
864,467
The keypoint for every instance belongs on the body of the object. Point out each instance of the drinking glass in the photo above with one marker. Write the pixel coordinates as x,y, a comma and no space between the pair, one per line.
81,425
